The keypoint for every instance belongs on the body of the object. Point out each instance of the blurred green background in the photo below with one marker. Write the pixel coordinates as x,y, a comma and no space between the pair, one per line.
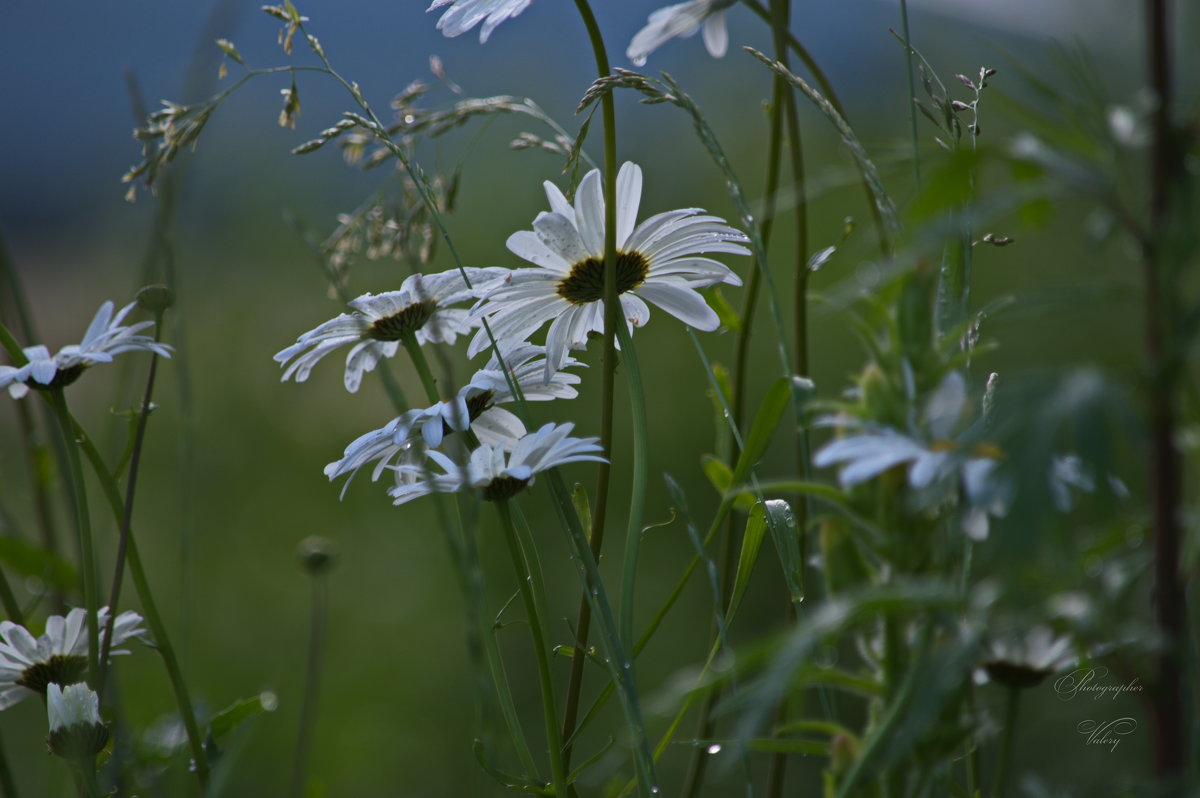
232,471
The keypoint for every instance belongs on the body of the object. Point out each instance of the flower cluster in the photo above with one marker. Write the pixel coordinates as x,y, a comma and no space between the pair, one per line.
665,260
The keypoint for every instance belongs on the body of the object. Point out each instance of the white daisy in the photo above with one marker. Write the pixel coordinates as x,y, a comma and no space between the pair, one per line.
29,664
466,14
682,20
380,321
659,260
105,337
473,405
500,472
938,462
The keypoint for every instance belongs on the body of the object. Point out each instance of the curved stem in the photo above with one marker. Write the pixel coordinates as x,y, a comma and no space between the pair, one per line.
83,524
1004,758
611,320
157,628
525,581
312,682
127,516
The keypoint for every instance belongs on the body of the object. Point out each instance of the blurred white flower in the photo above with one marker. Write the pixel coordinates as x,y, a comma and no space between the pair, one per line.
659,260
682,20
105,337
380,321
30,664
466,14
473,405
1025,660
936,459
500,472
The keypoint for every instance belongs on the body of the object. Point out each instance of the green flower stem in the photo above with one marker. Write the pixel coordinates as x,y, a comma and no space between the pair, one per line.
637,501
312,681
612,318
522,567
85,777
12,608
1004,758
8,786
158,629
472,583
912,93
83,525
421,364
127,515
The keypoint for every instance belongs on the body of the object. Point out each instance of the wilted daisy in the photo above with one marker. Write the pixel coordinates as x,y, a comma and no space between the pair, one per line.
500,472
682,20
660,261
105,337
937,461
28,664
76,731
466,14
473,405
381,321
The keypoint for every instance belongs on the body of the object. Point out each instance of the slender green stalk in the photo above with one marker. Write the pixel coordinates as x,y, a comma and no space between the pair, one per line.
912,93
612,319
12,608
158,629
421,364
312,681
127,516
8,787
641,464
1004,757
83,526
521,568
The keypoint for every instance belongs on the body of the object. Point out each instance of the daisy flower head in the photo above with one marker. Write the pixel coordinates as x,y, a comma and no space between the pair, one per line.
379,322
106,336
661,261
474,406
1026,659
682,20
499,472
30,664
466,14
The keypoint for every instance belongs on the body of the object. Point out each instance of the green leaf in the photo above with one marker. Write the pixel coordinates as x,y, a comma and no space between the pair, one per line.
29,560
756,528
725,312
719,474
509,780
240,711
782,523
583,509
761,431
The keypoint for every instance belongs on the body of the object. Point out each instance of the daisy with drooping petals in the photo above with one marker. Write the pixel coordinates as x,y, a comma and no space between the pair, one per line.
682,20
660,261
29,664
105,337
466,14
381,321
500,472
474,405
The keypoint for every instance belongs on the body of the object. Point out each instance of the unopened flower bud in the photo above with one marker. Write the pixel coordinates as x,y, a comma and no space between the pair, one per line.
155,298
317,554
76,731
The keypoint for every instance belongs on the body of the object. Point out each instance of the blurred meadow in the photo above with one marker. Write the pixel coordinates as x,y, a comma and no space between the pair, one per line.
231,478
